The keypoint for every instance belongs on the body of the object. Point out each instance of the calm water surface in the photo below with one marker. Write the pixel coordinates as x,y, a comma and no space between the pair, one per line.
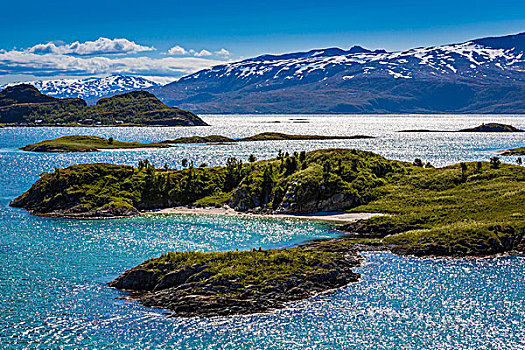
53,271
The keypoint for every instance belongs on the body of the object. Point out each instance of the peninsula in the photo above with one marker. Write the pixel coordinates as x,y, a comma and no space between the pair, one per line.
24,105
81,143
466,209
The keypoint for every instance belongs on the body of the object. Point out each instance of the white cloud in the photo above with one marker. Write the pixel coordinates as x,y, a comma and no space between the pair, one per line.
201,53
178,51
222,52
97,47
94,58
23,62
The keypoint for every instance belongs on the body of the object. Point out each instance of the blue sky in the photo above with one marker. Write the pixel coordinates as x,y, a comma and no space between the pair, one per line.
206,33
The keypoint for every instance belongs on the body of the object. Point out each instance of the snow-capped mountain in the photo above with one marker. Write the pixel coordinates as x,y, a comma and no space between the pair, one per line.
484,75
90,89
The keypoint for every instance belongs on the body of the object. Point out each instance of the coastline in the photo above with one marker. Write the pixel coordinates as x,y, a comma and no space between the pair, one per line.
336,217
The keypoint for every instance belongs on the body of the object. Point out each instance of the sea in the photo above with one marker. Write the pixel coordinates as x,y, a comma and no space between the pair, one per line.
53,271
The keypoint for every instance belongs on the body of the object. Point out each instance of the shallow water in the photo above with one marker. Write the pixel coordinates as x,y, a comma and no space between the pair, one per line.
53,271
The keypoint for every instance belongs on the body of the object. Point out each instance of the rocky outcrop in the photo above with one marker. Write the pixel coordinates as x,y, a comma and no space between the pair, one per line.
195,290
505,239
508,239
517,152
292,203
335,202
490,127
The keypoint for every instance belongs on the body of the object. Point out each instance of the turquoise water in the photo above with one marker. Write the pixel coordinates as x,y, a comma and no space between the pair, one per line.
53,272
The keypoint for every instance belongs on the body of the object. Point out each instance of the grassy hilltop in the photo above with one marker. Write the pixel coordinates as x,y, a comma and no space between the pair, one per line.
305,182
24,104
468,208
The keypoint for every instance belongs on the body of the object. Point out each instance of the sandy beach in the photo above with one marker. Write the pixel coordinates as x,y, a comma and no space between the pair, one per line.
338,217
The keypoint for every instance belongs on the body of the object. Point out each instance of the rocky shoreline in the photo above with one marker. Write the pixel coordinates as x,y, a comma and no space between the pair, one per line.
379,235
198,290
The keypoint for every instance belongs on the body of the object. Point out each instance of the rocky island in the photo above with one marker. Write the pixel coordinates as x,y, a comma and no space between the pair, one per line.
489,127
240,282
265,136
81,143
24,105
466,209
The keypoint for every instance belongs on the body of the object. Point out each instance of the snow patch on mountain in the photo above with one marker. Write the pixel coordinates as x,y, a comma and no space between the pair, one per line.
465,60
90,88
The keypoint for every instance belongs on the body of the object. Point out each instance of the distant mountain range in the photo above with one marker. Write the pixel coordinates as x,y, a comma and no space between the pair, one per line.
479,76
90,89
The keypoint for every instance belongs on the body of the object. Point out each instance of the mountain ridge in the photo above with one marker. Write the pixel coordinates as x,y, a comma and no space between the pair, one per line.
484,75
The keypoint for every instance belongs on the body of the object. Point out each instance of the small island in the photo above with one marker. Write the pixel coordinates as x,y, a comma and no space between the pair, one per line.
467,209
493,127
81,143
490,127
24,105
265,136
239,282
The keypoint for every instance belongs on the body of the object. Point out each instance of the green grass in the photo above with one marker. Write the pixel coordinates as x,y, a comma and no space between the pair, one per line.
442,207
215,200
79,143
253,267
